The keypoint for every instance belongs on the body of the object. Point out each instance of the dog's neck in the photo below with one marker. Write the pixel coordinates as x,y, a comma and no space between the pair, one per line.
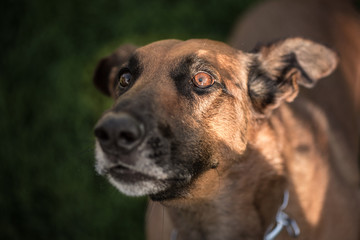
246,201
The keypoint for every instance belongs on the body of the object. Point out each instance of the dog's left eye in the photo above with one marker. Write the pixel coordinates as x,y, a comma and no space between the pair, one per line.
125,79
203,80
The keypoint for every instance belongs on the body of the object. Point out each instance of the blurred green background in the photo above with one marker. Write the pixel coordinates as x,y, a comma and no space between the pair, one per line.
48,106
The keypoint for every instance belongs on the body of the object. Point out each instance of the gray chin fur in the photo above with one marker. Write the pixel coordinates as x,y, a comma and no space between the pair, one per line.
141,188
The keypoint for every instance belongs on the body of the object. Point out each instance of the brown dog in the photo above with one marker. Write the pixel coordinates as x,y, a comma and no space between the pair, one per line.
209,131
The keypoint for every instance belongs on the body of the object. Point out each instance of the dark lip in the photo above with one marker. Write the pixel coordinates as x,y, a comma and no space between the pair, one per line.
125,174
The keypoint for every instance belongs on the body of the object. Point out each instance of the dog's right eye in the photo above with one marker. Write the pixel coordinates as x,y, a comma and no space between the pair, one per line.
125,79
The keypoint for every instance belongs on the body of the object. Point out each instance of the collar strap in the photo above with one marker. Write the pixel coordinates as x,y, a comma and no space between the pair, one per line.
283,220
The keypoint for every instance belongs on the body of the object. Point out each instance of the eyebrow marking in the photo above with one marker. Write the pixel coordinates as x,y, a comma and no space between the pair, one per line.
134,65
181,73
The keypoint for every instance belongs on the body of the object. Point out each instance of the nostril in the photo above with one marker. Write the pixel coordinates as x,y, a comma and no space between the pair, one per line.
101,134
127,137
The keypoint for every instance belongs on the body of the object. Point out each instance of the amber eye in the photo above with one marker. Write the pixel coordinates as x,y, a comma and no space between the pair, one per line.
125,79
203,80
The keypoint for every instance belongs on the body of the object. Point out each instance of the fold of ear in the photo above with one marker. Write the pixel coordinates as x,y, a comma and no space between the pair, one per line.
107,68
279,68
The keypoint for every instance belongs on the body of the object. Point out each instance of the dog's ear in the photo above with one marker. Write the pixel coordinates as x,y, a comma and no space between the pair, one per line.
279,68
107,68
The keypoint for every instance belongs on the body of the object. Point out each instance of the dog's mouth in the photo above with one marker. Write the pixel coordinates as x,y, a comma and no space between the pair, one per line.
147,170
127,175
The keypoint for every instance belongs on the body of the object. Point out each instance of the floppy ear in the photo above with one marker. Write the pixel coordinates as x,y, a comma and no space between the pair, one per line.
279,68
107,68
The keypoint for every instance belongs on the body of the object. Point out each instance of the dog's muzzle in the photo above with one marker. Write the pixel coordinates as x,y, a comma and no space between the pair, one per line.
135,157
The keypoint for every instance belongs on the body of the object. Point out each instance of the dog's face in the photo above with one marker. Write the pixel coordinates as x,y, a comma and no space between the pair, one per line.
183,110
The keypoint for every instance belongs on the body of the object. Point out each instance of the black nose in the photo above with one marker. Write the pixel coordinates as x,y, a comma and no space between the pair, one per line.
119,131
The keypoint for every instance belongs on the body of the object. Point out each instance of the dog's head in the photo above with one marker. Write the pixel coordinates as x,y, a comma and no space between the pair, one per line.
183,109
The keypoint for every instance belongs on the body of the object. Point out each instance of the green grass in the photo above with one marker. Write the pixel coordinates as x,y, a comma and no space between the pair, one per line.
48,106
